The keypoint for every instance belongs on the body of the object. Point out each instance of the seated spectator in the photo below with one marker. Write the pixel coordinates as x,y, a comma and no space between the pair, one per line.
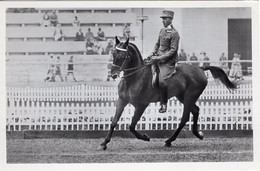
109,47
54,19
236,68
223,64
79,36
100,35
194,58
205,58
76,22
58,33
46,20
89,35
97,48
89,47
126,31
182,56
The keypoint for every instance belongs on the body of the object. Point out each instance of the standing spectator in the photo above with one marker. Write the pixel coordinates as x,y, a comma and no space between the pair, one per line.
46,20
79,36
50,73
205,58
58,33
100,35
194,58
76,22
89,35
236,68
70,70
54,19
126,31
182,56
89,47
223,64
58,71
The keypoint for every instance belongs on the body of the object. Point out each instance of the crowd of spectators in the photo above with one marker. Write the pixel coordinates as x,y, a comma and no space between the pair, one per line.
235,70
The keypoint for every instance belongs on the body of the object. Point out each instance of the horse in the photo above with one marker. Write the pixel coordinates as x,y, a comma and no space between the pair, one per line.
135,87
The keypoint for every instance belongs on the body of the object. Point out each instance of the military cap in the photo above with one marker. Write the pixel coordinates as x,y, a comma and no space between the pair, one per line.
167,13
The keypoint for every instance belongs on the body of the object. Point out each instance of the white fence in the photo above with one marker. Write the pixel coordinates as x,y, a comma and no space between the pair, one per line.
28,109
97,93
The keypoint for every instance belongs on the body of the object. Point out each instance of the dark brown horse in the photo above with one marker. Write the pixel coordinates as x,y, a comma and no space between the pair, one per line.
135,87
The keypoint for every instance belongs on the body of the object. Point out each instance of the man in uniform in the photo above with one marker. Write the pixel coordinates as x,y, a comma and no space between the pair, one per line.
164,56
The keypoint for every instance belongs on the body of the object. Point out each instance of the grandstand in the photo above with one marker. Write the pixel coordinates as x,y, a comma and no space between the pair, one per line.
27,41
29,44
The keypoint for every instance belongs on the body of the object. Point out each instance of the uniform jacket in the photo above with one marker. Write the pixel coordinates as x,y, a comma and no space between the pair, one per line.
166,48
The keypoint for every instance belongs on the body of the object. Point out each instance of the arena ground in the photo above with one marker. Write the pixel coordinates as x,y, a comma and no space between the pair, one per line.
125,150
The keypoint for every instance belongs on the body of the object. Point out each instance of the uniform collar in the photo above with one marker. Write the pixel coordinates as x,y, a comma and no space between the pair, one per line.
170,26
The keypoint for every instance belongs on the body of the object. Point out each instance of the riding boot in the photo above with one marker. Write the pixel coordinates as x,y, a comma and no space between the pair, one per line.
164,99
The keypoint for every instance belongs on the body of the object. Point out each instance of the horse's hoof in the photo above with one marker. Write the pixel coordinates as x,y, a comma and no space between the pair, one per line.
201,136
146,137
103,147
167,144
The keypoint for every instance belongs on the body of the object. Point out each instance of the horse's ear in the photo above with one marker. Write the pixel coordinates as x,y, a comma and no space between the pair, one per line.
117,40
126,43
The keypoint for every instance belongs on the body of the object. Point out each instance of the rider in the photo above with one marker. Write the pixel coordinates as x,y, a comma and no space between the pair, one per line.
164,56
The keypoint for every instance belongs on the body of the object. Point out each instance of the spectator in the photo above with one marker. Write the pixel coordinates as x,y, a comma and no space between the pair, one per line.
205,58
126,31
46,20
109,66
89,47
97,48
76,22
109,47
54,19
100,35
223,64
236,68
58,71
182,56
194,58
70,70
50,73
89,35
58,33
79,36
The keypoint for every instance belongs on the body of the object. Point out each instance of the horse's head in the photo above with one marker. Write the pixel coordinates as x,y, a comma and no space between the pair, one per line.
120,57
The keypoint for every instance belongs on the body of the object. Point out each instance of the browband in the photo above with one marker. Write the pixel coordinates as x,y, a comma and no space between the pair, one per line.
118,48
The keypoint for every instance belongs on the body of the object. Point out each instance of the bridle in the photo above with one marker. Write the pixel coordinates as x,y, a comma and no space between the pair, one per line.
121,68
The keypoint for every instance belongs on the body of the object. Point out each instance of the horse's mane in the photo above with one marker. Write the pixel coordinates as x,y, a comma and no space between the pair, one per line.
138,52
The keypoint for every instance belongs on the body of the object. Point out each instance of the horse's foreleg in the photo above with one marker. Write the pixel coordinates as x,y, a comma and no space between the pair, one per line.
119,110
137,115
195,112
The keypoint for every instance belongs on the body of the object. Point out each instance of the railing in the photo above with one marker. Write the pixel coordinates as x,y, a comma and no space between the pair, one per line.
98,93
26,115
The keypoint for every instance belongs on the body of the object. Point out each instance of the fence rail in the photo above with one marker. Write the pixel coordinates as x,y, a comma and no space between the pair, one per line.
98,93
92,108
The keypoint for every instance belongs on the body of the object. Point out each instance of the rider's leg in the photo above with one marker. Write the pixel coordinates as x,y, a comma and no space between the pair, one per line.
163,94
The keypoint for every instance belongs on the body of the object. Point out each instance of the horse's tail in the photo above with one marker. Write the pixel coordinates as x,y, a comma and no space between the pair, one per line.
218,73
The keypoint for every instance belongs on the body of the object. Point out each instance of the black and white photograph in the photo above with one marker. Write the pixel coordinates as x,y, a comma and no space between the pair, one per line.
125,84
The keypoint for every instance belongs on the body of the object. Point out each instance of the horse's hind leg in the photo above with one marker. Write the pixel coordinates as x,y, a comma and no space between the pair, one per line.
195,112
119,110
184,120
137,115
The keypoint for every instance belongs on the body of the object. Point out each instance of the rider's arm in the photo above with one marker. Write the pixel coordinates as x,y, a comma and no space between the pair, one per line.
157,45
